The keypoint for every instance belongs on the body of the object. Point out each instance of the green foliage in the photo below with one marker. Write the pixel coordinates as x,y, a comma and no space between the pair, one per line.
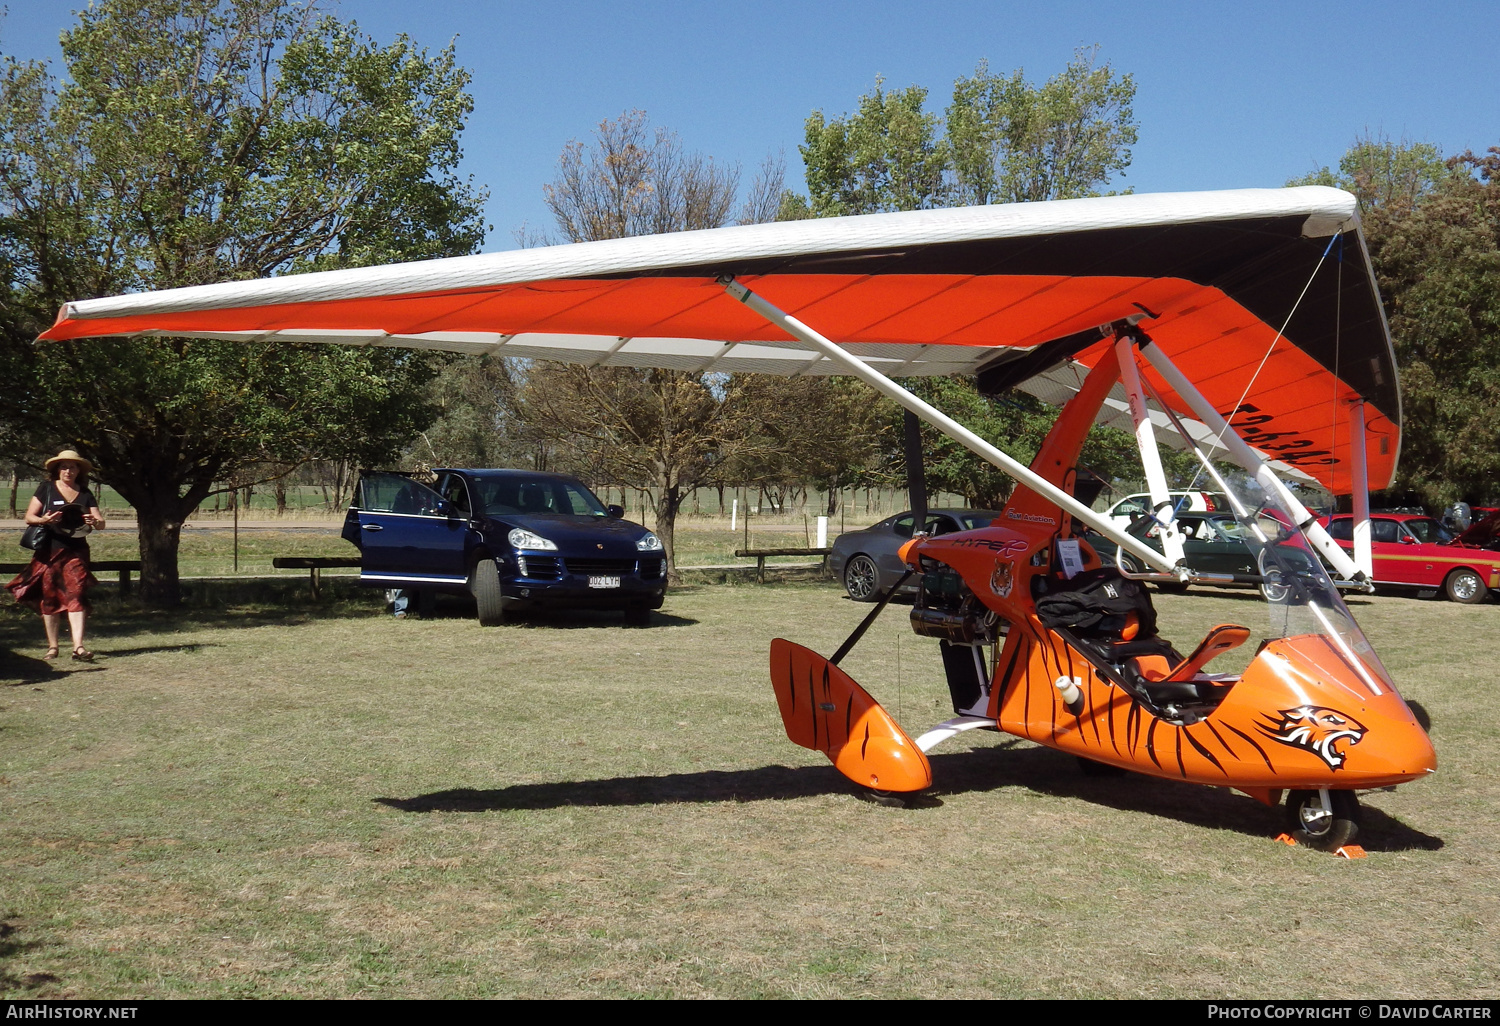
197,141
1433,229
884,157
1014,142
1004,140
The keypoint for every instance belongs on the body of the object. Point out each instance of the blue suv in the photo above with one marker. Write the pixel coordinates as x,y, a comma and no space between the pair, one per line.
511,538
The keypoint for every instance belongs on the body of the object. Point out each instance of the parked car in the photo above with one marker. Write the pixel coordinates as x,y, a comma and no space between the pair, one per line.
1211,542
1132,507
1419,552
1483,533
511,538
866,561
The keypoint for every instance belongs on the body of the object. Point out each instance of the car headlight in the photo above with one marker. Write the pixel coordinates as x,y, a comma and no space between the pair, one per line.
649,543
526,540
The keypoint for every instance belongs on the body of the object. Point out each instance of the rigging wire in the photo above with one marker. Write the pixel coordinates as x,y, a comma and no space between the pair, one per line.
1338,237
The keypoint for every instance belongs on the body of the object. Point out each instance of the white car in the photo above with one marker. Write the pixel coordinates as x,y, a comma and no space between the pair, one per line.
1132,506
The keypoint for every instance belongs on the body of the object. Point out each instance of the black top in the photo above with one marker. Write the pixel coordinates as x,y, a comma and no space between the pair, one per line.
52,500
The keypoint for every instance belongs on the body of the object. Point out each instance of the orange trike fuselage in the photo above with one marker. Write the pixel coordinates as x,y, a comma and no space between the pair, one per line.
1308,712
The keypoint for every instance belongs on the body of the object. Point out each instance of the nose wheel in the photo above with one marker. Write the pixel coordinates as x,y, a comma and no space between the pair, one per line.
1325,820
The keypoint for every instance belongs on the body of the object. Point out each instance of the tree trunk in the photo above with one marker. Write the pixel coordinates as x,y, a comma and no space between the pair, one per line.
160,532
15,484
281,496
666,527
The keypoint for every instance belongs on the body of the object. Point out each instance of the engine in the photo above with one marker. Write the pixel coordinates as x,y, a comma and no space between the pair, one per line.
947,609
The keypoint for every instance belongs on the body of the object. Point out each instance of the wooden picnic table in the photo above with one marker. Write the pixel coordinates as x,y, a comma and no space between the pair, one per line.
315,565
761,554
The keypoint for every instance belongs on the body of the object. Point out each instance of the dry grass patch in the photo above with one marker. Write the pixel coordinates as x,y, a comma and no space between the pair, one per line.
267,796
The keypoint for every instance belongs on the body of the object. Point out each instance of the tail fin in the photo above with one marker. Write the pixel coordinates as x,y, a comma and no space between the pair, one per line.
825,710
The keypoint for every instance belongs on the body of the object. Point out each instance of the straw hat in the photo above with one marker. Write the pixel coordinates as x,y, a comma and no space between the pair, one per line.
70,454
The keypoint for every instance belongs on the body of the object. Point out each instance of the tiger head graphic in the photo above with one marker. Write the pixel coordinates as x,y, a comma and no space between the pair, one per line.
1317,729
1003,578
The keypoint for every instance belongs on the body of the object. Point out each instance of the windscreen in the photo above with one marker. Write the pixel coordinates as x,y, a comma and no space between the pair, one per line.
1301,597
517,494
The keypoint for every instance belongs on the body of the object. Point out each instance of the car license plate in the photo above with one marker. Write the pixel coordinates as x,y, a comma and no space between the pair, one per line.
604,582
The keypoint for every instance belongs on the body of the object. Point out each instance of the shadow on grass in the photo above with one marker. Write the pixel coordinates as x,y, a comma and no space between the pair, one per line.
10,948
1041,770
18,670
565,619
207,604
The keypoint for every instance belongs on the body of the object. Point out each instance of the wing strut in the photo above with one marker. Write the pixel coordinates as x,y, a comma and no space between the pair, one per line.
1364,554
1249,459
856,367
1145,440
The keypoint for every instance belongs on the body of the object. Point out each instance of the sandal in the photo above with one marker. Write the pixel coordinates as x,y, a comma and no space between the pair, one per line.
51,653
83,655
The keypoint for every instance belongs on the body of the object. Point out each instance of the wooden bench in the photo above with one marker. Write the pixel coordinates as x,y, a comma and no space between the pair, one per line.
761,554
124,567
315,565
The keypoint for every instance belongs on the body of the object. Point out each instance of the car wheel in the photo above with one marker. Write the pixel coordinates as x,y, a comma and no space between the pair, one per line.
1316,827
1464,585
862,579
1279,586
484,582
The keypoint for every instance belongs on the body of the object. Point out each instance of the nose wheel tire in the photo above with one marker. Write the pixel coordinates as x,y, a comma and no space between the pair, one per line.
1326,829
862,579
1465,586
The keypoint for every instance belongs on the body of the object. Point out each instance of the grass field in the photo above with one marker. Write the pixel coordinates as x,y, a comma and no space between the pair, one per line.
266,796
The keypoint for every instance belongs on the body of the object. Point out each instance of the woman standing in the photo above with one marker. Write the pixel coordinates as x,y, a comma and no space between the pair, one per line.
58,579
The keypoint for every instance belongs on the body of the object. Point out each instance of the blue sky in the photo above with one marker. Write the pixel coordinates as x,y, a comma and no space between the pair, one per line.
1228,95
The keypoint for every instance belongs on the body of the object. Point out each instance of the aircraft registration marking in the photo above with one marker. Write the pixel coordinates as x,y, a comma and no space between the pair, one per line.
1255,428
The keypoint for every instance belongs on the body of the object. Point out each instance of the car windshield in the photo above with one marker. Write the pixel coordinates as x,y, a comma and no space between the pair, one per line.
518,494
1428,531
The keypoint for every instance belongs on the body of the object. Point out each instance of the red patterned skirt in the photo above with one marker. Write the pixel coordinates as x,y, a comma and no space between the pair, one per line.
57,584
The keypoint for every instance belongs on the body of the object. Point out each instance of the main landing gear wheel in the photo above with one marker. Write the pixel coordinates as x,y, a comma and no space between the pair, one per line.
862,579
1465,586
485,584
1328,829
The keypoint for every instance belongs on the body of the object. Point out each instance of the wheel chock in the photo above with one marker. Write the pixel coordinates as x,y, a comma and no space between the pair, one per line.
1287,839
1350,851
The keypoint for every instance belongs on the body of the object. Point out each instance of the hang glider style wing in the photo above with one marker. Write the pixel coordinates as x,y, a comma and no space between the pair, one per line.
1265,298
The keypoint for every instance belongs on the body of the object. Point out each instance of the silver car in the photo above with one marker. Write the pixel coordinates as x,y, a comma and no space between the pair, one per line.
866,561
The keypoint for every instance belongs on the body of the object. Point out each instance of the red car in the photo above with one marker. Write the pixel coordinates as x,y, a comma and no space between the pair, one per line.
1418,552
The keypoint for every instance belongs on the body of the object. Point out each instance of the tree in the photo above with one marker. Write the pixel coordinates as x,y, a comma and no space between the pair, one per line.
822,431
1433,229
886,156
1004,140
197,141
1012,142
662,430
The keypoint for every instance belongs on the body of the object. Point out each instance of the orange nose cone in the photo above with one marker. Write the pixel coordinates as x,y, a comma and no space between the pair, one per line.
1395,749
